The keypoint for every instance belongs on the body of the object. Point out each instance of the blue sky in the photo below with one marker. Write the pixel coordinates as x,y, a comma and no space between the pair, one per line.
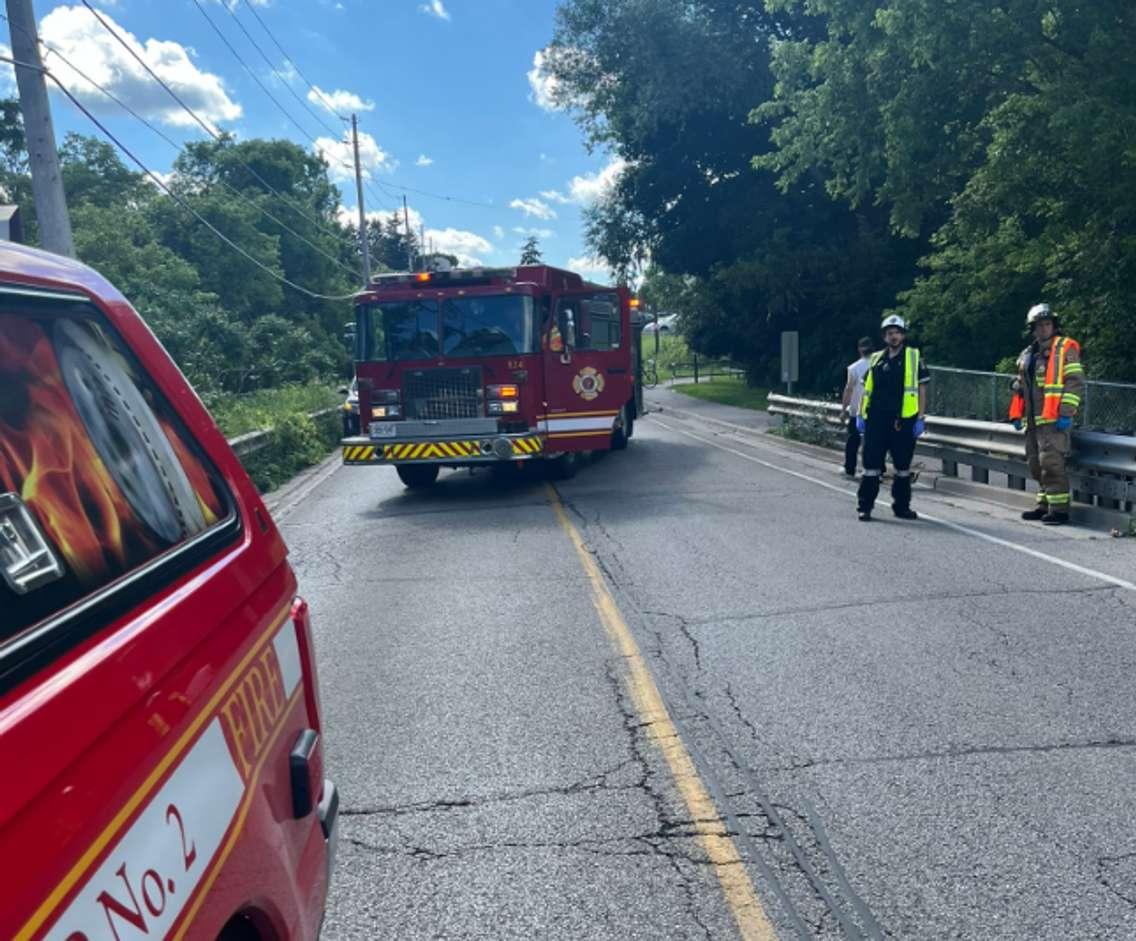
443,90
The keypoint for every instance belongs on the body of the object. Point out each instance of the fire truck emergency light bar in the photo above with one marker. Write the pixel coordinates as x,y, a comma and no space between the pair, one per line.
453,277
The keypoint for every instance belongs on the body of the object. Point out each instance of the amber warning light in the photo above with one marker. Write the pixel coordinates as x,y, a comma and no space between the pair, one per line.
422,276
634,303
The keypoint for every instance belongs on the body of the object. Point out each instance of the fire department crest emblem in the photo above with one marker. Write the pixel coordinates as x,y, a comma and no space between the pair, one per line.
588,383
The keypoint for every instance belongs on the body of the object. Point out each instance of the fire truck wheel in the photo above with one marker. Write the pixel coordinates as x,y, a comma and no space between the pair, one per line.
417,476
564,466
624,430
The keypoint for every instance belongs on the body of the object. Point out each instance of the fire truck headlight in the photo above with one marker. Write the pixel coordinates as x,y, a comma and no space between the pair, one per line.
386,411
502,392
504,408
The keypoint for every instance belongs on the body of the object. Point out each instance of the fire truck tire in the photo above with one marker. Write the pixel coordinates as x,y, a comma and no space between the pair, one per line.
564,466
626,428
417,476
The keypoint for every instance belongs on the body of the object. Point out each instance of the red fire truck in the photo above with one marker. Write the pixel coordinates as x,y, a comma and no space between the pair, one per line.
492,366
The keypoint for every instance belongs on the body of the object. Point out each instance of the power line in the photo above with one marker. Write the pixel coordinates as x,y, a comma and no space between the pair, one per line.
159,182
271,97
214,134
272,67
174,144
248,68
292,62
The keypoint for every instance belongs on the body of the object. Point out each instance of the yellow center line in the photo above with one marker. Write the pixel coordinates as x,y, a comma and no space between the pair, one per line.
752,922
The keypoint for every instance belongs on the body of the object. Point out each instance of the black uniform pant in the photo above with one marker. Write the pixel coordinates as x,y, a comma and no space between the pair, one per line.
884,435
851,447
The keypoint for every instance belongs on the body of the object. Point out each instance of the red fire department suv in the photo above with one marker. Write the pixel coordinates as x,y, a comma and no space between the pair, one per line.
492,366
159,715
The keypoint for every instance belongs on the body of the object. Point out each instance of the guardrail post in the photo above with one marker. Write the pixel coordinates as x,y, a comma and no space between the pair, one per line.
950,468
1014,482
696,369
980,475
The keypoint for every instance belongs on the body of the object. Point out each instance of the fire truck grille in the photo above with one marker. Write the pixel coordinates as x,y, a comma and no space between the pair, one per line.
443,393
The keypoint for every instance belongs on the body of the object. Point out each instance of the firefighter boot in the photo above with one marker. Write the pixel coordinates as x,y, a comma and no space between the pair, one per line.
1038,512
866,495
901,496
1055,518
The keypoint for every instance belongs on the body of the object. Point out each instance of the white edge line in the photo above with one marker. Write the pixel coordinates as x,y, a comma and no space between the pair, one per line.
958,527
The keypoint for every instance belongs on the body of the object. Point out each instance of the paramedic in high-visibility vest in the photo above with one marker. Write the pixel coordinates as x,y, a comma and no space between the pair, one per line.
891,418
1047,394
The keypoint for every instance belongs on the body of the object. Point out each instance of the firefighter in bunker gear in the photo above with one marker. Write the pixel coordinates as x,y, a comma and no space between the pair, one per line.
891,418
1046,396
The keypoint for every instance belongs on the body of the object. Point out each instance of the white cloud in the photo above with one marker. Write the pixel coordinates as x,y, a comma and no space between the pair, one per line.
539,233
341,157
7,73
555,196
588,188
533,207
339,101
467,246
423,161
435,8
498,232
591,267
79,37
543,86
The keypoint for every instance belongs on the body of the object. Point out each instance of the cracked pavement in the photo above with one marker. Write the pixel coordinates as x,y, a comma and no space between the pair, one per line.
908,732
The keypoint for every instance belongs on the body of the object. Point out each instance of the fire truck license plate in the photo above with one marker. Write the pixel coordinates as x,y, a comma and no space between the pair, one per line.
383,429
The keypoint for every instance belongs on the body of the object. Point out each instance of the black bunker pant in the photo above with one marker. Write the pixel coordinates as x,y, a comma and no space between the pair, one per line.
884,435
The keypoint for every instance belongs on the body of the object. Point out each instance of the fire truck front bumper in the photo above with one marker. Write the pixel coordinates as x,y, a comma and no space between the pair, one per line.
467,449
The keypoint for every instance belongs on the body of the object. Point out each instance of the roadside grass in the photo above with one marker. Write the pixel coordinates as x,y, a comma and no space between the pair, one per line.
237,414
726,391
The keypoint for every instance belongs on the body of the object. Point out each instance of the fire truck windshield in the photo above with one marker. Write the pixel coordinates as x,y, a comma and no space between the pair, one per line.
477,325
493,325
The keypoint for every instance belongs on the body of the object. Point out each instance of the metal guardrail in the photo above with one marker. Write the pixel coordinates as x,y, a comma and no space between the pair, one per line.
703,369
253,441
1102,469
985,396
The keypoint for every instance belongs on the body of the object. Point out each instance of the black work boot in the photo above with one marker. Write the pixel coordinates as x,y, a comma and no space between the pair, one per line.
1055,518
901,499
1038,512
866,496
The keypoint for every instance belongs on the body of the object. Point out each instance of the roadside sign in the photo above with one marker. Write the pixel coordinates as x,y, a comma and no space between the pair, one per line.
790,356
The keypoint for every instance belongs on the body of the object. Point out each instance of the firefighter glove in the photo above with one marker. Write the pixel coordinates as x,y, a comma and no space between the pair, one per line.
1017,423
860,423
918,428
1063,423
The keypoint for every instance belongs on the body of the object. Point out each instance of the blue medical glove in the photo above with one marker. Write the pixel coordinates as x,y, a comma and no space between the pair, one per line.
1064,423
1017,423
860,423
918,428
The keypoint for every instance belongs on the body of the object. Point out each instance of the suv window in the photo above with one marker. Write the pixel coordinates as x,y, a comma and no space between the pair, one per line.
98,478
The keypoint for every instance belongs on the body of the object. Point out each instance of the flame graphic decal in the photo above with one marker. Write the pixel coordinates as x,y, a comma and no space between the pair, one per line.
47,457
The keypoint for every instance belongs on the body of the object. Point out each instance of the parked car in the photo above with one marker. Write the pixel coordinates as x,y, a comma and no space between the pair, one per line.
667,323
160,724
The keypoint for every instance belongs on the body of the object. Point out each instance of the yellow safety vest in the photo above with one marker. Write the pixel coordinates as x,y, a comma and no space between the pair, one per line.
910,406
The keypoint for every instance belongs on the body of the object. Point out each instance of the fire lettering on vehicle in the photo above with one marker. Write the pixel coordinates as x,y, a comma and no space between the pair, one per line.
250,713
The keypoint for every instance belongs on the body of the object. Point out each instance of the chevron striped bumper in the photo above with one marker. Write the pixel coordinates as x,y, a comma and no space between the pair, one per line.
459,451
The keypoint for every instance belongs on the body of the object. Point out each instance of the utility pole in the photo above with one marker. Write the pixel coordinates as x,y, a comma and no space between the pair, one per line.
364,243
43,157
422,241
409,236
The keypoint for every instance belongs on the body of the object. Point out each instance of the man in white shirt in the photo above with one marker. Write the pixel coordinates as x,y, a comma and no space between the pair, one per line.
853,393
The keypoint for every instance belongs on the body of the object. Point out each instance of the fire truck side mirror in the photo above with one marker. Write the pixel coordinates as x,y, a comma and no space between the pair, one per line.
569,331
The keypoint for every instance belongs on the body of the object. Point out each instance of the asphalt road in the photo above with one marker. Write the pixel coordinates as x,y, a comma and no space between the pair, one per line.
912,730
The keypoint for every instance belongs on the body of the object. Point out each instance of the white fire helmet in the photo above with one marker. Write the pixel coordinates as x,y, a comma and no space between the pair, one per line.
893,321
1038,312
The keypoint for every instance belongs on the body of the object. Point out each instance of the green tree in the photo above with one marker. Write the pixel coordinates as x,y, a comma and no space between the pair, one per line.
530,251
